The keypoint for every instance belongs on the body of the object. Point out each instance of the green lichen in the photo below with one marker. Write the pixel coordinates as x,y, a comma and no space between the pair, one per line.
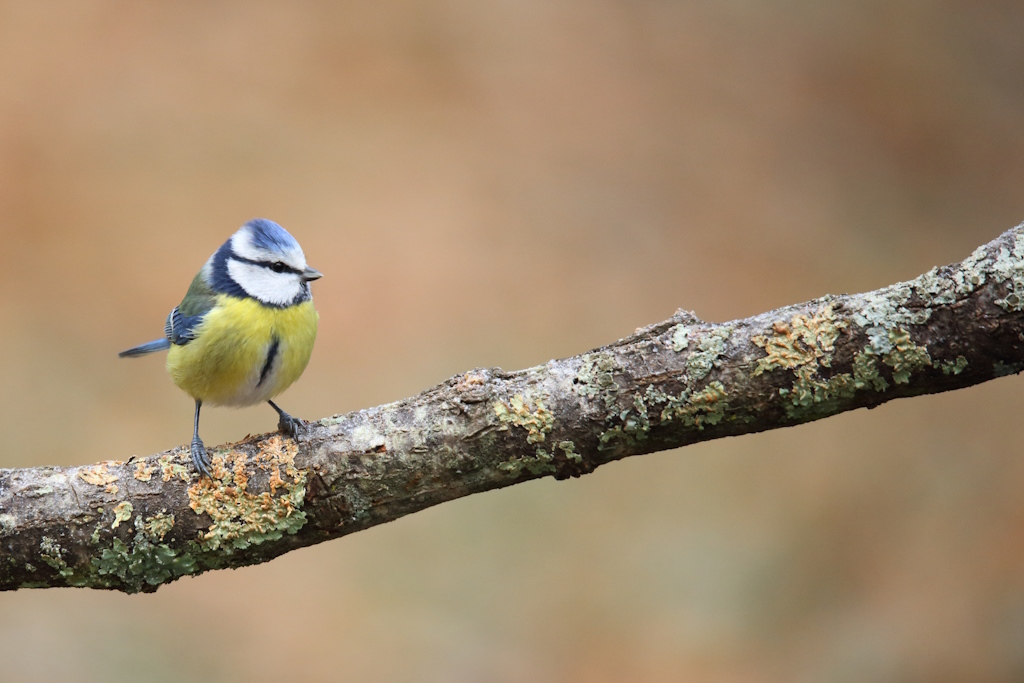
865,372
38,492
806,344
941,287
569,448
710,348
143,563
936,289
630,426
595,379
51,552
241,518
695,409
895,306
634,424
971,273
540,464
954,367
122,513
905,356
680,341
123,565
1001,369
892,306
156,527
8,524
537,422
812,395
1008,266
887,308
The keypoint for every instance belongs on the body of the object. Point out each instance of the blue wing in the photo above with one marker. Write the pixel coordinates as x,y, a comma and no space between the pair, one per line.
179,329
148,347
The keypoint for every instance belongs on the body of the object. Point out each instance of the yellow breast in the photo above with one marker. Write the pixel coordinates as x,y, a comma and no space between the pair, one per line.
227,362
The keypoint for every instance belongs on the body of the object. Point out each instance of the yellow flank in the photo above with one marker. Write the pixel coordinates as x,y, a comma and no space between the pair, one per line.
222,365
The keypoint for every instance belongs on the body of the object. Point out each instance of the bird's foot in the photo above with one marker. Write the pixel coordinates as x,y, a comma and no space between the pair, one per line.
292,426
200,458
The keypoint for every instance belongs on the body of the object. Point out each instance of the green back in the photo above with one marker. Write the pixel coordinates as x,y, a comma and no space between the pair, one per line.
199,298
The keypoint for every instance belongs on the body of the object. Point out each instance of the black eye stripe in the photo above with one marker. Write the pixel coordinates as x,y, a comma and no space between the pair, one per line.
278,267
269,265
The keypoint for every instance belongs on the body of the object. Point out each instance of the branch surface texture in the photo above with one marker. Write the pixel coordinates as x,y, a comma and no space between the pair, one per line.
133,526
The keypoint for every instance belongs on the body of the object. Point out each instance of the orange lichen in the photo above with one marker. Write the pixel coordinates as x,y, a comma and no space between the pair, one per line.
98,475
275,479
170,469
143,472
241,518
537,422
471,378
804,341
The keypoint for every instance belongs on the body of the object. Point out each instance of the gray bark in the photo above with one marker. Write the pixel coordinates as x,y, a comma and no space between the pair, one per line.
133,526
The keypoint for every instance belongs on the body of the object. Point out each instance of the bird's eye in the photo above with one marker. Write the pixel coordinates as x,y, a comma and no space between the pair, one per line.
278,267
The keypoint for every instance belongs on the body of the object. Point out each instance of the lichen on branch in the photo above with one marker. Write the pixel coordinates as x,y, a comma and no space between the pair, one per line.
133,526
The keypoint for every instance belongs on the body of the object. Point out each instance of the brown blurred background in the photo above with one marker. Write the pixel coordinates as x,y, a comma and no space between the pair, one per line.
501,183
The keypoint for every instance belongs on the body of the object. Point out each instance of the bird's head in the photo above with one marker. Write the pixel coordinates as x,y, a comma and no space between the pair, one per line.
264,262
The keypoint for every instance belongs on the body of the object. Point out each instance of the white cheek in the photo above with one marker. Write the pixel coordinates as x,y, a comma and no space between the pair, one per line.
264,284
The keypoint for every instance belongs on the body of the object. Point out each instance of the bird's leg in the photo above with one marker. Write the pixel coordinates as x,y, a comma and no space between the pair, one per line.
292,426
200,458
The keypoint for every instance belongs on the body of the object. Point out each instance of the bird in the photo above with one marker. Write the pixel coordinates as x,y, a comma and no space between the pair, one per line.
245,330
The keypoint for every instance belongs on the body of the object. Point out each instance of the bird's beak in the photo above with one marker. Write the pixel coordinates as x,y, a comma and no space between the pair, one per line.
311,274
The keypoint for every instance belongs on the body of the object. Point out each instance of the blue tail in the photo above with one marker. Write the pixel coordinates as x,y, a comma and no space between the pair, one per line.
148,347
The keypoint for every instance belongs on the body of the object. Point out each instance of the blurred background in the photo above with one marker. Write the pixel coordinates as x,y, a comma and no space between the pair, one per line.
500,183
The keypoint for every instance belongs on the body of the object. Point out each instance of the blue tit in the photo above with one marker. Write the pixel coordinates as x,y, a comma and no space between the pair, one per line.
245,329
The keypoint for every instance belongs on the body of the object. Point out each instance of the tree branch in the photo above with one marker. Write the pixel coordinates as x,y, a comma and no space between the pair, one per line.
133,526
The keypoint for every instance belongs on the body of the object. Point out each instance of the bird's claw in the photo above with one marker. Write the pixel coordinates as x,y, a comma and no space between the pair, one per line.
200,458
292,426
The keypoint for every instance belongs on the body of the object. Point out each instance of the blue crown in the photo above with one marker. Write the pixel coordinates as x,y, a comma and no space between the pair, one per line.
268,235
